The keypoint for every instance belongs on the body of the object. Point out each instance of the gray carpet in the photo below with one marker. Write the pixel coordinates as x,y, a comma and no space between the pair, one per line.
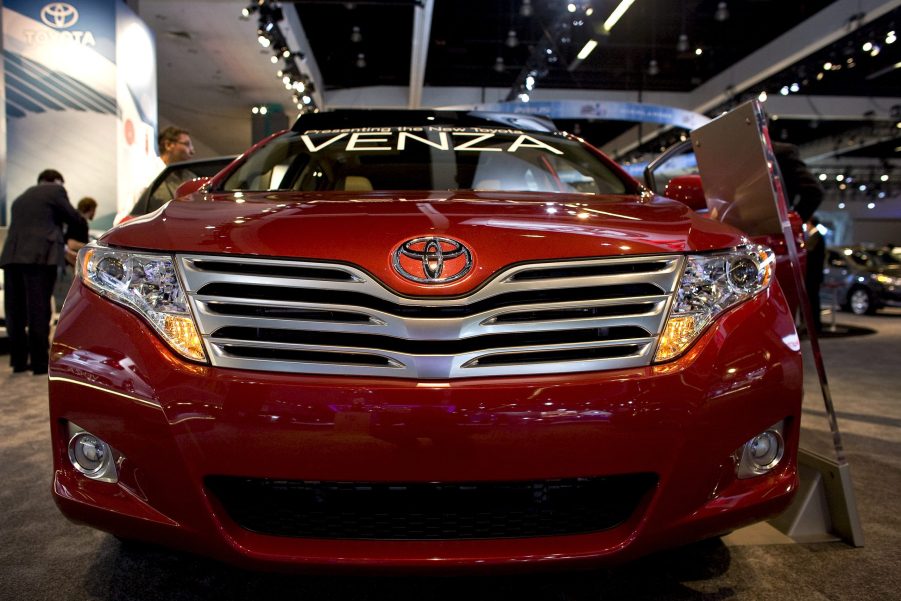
42,556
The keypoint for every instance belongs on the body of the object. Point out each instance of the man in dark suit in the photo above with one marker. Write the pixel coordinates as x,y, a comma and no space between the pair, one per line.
34,249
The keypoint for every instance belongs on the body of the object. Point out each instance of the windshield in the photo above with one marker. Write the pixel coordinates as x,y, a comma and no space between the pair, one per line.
426,158
873,258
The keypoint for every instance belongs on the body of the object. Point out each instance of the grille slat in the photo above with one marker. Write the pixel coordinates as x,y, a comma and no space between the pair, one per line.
539,318
430,510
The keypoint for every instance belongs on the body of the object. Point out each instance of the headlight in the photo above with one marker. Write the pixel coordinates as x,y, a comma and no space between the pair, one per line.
711,284
148,284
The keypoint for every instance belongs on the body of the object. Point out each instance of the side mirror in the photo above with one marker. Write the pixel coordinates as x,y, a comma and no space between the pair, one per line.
688,190
190,186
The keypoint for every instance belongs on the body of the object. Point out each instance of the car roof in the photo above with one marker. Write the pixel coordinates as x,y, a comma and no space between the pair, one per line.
351,118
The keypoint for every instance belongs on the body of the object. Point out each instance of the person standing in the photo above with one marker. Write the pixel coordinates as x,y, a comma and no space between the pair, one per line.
33,251
175,146
78,236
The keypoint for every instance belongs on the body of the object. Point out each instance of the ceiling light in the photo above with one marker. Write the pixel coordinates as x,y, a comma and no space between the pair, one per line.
279,73
871,205
867,46
881,195
722,12
794,87
876,50
263,110
819,76
299,86
355,36
890,37
884,177
841,205
499,64
264,41
840,177
255,109
827,66
586,49
617,14
862,187
245,12
525,9
273,59
307,99
682,44
361,61
842,186
530,82
286,79
589,11
762,96
571,7
286,53
653,68
823,177
784,91
699,51
512,40
524,97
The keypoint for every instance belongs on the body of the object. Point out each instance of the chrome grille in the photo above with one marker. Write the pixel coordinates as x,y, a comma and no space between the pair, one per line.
321,318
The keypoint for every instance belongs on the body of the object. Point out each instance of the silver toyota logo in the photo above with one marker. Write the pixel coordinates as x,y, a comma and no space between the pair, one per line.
59,15
432,260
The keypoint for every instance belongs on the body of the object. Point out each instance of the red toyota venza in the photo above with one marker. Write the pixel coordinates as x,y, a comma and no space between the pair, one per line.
423,340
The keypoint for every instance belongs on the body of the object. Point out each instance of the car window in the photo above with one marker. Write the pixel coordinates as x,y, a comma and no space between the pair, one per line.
438,158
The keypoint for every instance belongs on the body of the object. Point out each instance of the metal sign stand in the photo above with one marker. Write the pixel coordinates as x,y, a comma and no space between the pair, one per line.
825,507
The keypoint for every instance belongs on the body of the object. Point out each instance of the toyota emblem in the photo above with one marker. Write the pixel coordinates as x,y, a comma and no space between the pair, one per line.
59,15
432,260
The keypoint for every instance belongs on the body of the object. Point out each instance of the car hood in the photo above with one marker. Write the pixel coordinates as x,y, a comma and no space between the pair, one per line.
499,228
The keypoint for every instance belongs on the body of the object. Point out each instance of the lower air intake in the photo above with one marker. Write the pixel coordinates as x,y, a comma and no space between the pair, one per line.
429,510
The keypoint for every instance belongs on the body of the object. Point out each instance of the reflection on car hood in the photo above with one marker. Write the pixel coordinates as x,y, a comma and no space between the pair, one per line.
501,228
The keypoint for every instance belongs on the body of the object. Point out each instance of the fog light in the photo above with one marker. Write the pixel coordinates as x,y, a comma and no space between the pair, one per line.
762,453
91,456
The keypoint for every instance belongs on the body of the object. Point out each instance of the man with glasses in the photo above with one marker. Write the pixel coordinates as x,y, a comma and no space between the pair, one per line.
175,146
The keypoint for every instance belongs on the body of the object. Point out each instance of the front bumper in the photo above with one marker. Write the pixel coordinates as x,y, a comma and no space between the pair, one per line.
178,424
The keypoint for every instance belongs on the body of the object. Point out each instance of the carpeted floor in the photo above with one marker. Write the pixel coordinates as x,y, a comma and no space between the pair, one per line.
42,556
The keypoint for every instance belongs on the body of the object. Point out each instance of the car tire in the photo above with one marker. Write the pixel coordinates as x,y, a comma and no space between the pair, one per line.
861,301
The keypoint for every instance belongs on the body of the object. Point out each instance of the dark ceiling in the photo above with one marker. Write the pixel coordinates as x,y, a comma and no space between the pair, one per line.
368,43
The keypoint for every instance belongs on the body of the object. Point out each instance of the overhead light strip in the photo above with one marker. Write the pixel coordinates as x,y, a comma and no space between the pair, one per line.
617,14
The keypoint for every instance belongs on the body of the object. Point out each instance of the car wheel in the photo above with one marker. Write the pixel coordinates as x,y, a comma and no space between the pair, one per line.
860,300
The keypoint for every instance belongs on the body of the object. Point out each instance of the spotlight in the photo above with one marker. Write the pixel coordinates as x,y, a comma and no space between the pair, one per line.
512,39
355,36
762,96
722,12
523,97
794,87
682,44
525,9
784,91
361,61
499,64
890,37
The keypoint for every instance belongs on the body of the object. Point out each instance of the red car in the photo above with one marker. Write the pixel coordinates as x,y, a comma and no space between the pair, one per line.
424,340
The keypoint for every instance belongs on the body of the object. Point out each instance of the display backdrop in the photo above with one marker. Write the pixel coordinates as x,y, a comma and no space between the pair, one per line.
80,84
